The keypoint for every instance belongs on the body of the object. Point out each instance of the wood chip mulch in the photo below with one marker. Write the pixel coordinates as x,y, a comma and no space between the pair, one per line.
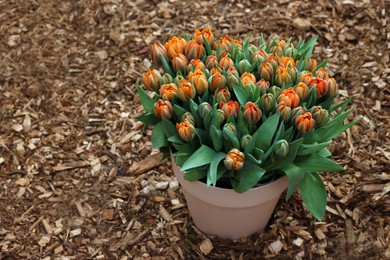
78,177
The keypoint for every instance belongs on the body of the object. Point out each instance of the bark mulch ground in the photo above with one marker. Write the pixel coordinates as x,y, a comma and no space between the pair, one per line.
78,177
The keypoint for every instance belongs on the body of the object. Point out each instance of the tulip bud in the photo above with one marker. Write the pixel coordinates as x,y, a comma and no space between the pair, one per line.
248,77
194,50
167,91
333,88
204,109
281,148
296,112
158,50
189,117
293,72
263,85
186,91
245,140
220,116
291,52
179,63
289,97
178,79
305,123
226,63
321,73
199,80
222,95
231,128
217,81
215,70
284,110
211,62
251,113
175,46
250,88
312,64
166,79
252,49
258,57
163,109
234,160
267,103
266,71
321,86
186,130
151,79
282,77
302,90
195,64
206,33
274,61
305,77
230,108
225,43
244,66
277,50
286,62
320,115
274,90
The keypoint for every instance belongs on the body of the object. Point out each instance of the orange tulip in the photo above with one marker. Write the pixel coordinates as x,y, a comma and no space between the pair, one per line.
194,50
263,85
199,80
151,79
179,63
289,97
222,95
226,43
217,81
305,123
321,86
158,50
234,160
167,91
321,73
282,76
286,61
230,108
186,130
226,63
248,77
195,64
232,78
259,57
312,64
333,88
198,36
284,110
186,91
302,90
267,102
163,109
175,46
251,113
211,62
306,77
266,71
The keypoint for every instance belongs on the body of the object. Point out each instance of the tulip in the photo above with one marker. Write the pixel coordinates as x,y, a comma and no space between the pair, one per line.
252,49
284,110
204,109
195,64
320,115
178,79
232,79
251,113
220,116
211,62
281,148
312,64
244,66
282,77
258,57
175,46
250,88
296,112
166,79
274,61
286,62
289,97
305,77
267,102
198,36
302,90
163,109
231,128
230,108
226,63
321,86
194,50
215,70
189,117
290,51
266,71
274,90
234,160
245,140
167,91
333,88
179,63
217,81
293,72
263,85
277,50
158,50
321,73
222,95
305,123
186,91
199,80
186,130
226,43
151,79
248,77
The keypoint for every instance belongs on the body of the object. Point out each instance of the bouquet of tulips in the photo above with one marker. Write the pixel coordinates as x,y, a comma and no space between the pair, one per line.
232,111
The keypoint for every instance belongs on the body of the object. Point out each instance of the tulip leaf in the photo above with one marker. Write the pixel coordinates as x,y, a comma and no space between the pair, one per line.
312,99
166,67
247,177
322,65
184,148
251,145
213,169
295,177
158,136
216,138
308,47
241,126
241,95
324,152
317,163
266,132
251,158
179,111
195,114
209,51
292,153
175,139
258,153
200,157
314,195
180,158
204,138
287,134
169,128
195,174
149,118
146,100
307,149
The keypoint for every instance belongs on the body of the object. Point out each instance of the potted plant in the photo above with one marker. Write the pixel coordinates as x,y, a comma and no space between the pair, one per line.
242,122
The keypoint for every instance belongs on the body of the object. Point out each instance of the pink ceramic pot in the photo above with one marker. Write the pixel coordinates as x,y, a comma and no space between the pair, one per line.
226,213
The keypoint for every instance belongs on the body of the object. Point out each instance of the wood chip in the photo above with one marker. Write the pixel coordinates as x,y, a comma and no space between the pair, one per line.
146,164
206,246
70,166
275,247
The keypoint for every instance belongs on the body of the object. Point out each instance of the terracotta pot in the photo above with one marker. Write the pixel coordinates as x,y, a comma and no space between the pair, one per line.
226,213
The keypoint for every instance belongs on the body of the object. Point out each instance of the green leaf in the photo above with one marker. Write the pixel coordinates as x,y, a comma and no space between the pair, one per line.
292,153
241,95
148,118
180,158
194,111
146,100
295,177
175,139
166,66
314,195
158,136
308,47
195,174
317,163
307,149
201,157
322,65
251,145
251,158
179,111
324,152
212,173
184,148
216,138
169,128
247,177
203,136
266,132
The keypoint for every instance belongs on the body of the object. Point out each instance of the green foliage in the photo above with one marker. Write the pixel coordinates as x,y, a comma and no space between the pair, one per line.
314,194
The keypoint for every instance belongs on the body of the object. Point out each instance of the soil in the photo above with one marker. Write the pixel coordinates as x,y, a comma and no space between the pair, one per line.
79,178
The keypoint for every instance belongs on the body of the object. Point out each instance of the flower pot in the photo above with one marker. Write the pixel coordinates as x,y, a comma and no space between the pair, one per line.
226,213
